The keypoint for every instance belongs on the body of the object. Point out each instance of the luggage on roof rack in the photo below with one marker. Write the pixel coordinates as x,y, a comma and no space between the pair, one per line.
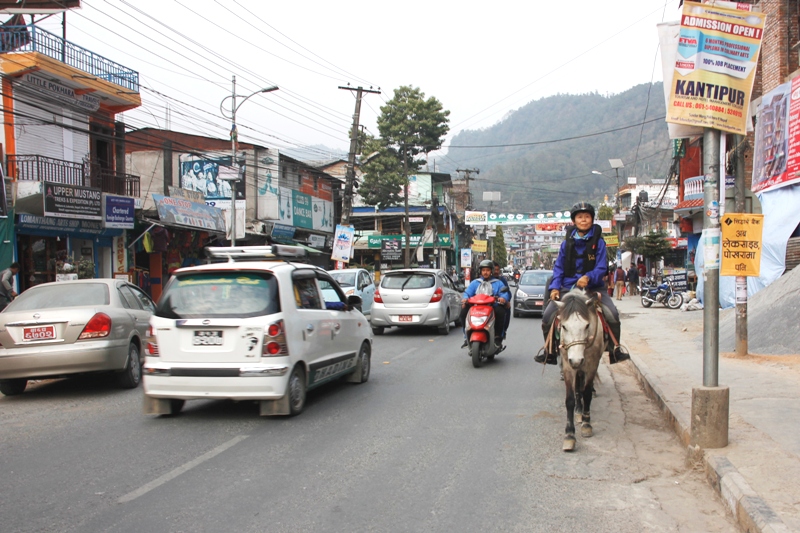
256,253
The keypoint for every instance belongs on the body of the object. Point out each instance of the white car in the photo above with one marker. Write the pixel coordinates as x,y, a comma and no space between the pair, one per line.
254,328
356,281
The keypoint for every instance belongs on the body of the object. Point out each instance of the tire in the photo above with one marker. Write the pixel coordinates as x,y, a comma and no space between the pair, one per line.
675,301
175,406
131,376
646,303
516,315
296,390
13,387
377,330
364,363
475,353
445,328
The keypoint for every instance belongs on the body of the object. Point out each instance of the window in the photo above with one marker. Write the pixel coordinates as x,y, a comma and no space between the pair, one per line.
220,295
66,295
306,294
144,300
127,297
408,280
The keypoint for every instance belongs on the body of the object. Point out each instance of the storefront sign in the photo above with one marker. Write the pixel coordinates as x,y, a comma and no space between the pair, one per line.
62,93
316,241
475,218
282,233
302,213
72,201
679,279
59,227
741,244
118,211
374,241
190,214
120,255
391,250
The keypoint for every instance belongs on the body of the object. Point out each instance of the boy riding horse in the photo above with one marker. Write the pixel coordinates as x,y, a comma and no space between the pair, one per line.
581,263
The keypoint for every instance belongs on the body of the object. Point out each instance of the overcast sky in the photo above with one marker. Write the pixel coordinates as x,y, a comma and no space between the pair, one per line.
480,59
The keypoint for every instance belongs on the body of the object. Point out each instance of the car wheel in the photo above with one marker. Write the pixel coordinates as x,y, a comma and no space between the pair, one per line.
364,363
516,315
12,387
377,330
296,389
175,406
444,329
132,375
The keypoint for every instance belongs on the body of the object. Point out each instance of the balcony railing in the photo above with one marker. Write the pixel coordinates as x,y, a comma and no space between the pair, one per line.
41,168
693,188
34,39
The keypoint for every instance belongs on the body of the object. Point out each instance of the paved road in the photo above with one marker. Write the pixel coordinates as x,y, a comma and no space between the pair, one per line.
428,444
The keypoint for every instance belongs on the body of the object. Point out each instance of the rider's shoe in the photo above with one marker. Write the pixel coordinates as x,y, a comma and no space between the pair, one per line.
618,354
498,341
465,344
550,358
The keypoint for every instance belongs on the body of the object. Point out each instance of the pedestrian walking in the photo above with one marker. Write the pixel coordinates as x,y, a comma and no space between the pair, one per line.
633,280
7,292
619,281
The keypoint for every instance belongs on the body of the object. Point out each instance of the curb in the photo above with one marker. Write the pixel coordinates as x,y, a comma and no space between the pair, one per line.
751,512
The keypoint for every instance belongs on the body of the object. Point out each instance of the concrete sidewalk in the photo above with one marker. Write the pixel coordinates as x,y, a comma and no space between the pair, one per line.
758,473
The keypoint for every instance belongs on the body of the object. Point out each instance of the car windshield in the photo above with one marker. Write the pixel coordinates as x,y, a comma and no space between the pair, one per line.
408,280
534,278
220,295
61,295
345,279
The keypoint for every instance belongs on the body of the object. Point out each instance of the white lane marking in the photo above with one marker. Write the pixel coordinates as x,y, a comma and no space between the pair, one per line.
180,470
396,357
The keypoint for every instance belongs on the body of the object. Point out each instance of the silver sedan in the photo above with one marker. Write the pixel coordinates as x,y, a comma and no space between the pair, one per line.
73,327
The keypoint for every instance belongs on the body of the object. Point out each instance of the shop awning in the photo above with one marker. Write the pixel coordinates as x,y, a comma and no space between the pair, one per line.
309,249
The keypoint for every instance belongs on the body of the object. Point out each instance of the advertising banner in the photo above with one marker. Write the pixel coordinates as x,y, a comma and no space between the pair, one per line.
213,177
302,210
391,250
267,181
181,212
343,239
118,211
322,214
679,279
479,246
482,218
741,244
715,66
374,241
476,218
776,154
466,257
72,201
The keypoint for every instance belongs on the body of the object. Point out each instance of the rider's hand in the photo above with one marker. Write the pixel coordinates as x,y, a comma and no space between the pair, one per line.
463,303
583,281
501,300
555,294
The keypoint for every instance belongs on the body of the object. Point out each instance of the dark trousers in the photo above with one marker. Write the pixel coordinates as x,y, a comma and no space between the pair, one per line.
500,319
610,312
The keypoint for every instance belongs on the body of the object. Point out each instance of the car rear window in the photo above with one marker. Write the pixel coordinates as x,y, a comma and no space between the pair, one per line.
220,295
408,280
534,278
66,295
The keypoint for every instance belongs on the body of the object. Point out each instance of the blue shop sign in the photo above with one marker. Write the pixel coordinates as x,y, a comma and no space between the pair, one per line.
61,227
283,233
118,211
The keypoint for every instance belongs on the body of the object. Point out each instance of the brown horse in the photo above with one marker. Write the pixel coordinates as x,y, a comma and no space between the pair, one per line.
581,345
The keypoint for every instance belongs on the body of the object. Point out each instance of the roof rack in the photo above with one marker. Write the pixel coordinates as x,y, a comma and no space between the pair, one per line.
256,253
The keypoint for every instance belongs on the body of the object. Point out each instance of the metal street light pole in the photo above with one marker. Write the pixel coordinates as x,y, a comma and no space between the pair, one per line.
616,164
234,139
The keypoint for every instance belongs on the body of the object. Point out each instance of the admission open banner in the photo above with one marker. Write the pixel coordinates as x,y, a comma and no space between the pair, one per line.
715,66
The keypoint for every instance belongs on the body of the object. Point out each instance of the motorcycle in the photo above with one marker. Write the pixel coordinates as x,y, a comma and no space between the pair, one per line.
663,293
480,329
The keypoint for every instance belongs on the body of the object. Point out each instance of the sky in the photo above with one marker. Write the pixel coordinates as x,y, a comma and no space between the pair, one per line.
481,60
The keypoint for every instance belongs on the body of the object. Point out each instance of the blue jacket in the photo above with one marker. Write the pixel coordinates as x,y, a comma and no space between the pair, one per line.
498,289
595,276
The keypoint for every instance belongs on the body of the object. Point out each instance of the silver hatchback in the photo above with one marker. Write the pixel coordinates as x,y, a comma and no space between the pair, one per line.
416,297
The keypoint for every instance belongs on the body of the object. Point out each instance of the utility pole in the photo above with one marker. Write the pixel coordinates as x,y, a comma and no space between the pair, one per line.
467,178
350,175
741,281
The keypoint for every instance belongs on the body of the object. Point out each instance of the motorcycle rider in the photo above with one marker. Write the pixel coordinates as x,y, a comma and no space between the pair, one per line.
582,263
499,291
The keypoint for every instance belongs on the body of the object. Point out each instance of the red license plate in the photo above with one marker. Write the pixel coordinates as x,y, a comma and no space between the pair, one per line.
404,318
537,303
39,333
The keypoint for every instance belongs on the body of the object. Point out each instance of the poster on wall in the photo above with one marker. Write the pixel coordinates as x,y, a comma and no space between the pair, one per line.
776,153
267,201
213,177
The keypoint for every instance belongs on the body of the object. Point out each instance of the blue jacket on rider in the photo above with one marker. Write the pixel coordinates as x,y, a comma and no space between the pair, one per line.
497,288
596,275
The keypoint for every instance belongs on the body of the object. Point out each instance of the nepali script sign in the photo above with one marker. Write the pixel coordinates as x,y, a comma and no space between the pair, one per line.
715,66
741,244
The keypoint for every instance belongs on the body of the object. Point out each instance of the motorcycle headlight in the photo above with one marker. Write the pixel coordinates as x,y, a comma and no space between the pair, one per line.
478,321
521,294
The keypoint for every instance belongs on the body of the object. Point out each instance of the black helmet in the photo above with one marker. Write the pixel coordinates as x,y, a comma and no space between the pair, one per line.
581,207
486,263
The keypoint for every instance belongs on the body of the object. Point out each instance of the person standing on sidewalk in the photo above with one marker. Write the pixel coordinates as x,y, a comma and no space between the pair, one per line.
633,281
581,263
7,292
619,281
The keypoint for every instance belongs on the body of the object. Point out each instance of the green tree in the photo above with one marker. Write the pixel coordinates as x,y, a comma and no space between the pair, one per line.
606,212
652,246
499,247
383,181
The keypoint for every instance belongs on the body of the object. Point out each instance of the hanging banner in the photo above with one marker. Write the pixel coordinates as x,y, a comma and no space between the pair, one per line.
343,243
741,244
466,258
714,70
479,246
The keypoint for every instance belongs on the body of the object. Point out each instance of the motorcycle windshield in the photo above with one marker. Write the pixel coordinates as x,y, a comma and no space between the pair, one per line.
485,288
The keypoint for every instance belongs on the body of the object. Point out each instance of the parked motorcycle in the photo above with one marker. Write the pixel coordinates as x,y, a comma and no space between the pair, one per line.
480,329
663,293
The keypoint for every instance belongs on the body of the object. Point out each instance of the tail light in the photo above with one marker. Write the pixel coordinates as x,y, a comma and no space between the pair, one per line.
377,297
275,340
98,326
438,294
151,343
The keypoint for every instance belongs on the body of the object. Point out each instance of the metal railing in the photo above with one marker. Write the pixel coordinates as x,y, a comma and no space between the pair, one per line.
114,182
41,168
693,188
31,38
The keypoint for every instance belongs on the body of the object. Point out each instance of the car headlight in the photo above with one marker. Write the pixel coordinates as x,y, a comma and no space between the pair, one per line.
350,292
521,294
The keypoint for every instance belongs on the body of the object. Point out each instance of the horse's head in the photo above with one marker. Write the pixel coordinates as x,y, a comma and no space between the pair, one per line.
577,325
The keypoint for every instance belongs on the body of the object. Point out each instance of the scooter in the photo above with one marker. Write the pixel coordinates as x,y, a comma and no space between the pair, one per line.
664,293
480,329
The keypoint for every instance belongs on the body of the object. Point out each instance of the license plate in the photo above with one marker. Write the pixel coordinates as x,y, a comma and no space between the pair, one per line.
39,333
207,338
537,303
404,318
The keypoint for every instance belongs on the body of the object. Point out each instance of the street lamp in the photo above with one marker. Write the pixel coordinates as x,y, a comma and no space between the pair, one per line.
616,164
234,138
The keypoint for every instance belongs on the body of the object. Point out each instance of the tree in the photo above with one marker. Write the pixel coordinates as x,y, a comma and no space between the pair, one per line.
499,247
606,212
652,246
383,181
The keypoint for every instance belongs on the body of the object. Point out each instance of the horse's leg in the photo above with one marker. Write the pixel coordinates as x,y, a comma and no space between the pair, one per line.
586,419
579,379
569,437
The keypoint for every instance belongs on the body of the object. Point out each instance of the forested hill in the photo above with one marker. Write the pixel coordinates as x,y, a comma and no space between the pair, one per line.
556,173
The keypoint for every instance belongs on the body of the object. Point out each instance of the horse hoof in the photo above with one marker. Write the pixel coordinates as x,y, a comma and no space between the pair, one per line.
569,444
586,431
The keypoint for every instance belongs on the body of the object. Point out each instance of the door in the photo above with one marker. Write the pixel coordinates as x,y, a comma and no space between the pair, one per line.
341,324
316,326
367,288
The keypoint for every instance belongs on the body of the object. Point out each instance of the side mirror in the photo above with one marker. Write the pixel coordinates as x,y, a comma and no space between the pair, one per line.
354,300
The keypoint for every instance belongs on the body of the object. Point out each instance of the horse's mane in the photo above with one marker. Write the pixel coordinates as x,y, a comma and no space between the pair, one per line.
575,303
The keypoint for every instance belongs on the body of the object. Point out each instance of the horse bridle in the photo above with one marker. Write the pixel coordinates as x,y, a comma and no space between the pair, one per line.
588,340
